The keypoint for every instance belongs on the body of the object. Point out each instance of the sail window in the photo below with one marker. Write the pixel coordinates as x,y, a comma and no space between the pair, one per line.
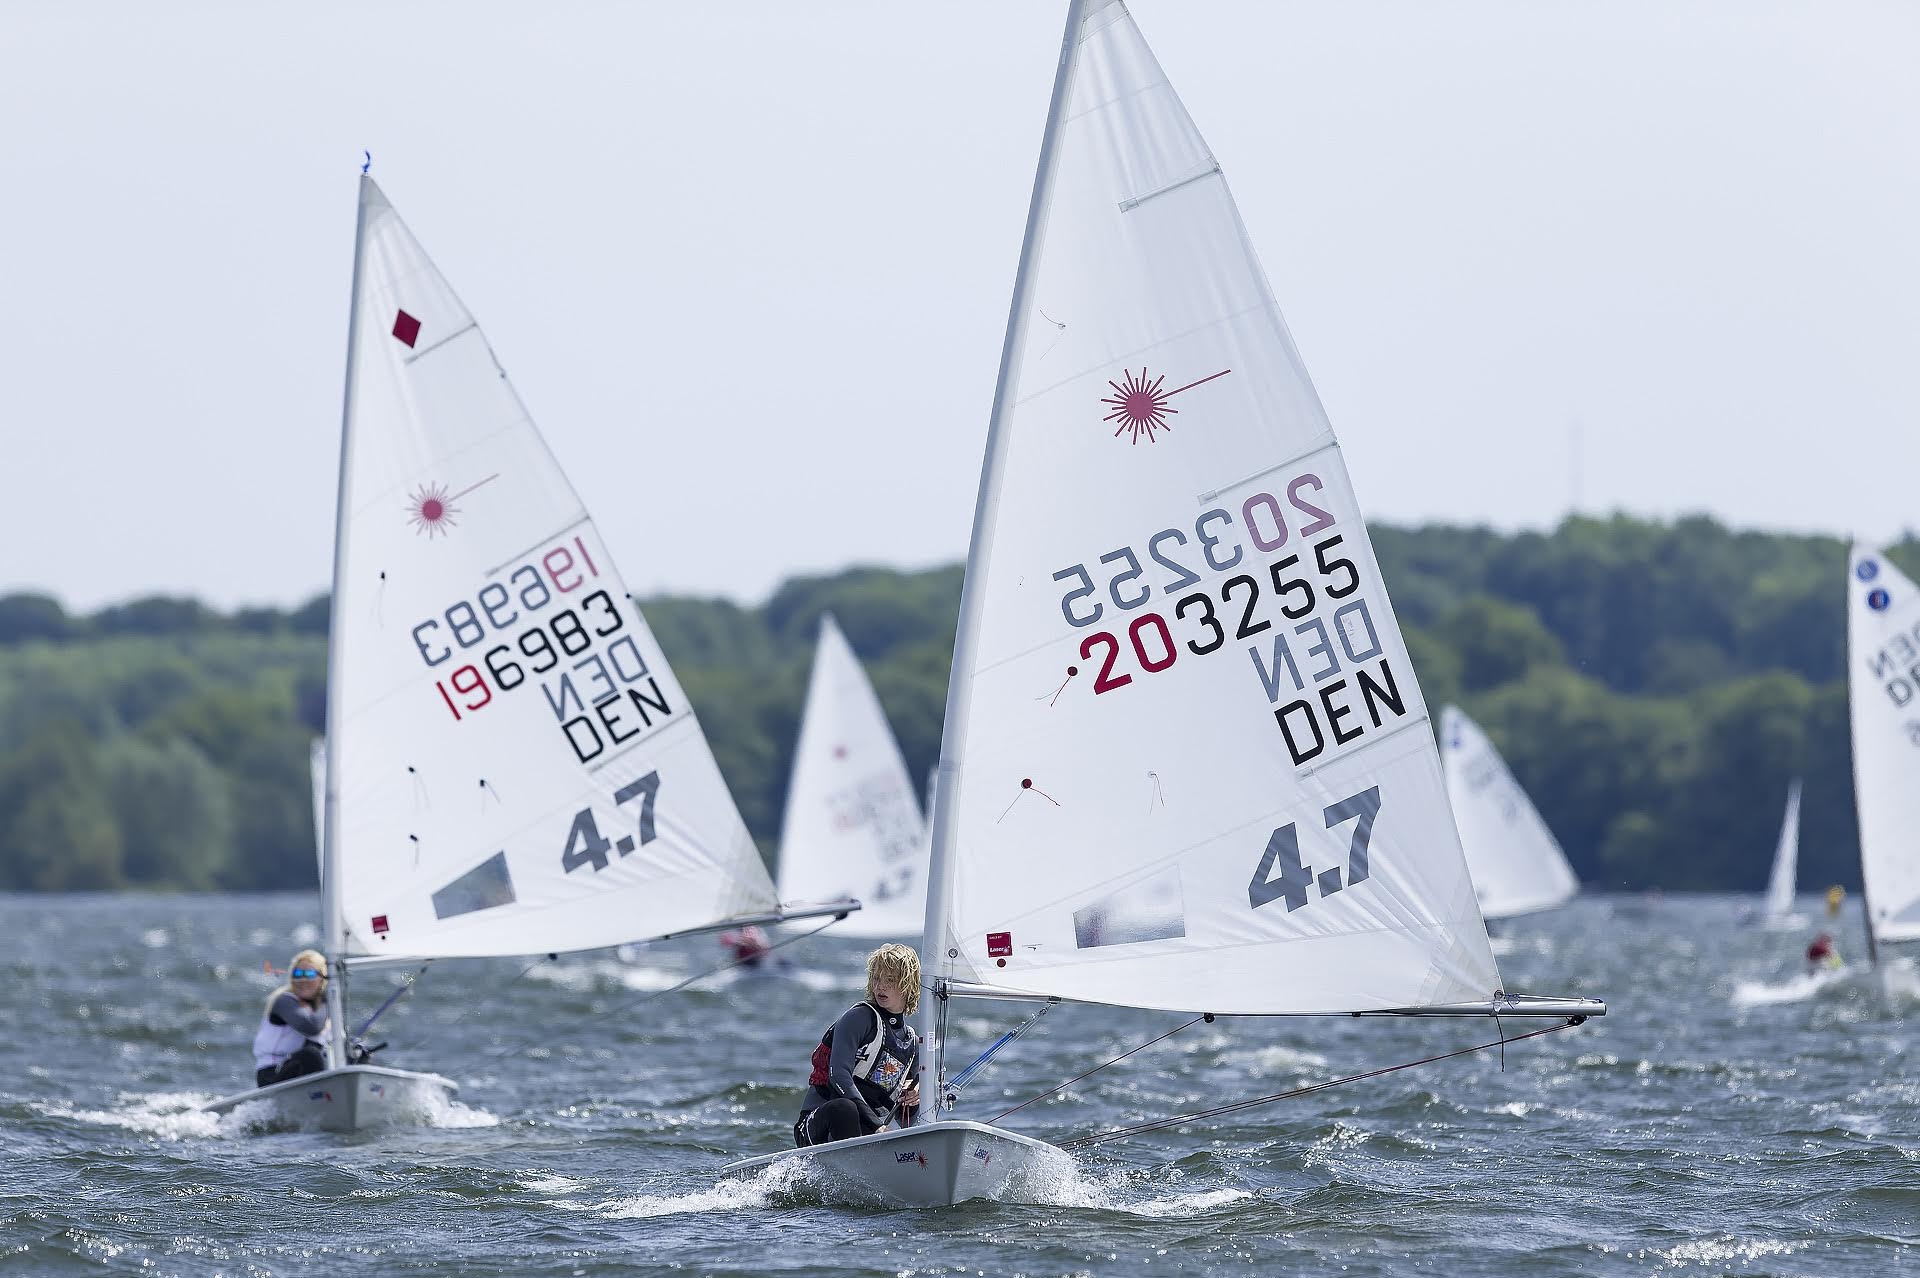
484,886
1150,910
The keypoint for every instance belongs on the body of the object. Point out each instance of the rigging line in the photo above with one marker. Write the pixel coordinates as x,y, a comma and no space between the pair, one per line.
1141,1128
739,962
697,976
960,1080
514,1047
1205,1016
400,991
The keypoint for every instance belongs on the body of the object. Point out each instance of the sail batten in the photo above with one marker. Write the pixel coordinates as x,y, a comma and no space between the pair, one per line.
1177,760
513,767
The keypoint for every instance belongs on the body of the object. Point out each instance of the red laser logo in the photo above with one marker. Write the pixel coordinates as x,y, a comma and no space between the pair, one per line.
1139,405
431,510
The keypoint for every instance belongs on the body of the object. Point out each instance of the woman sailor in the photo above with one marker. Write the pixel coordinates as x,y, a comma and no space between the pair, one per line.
291,1040
866,1069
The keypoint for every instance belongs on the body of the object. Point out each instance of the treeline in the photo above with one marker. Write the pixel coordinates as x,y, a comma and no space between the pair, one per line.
1654,687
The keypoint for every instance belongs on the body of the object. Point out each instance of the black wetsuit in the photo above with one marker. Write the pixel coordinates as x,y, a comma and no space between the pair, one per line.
843,1105
311,1058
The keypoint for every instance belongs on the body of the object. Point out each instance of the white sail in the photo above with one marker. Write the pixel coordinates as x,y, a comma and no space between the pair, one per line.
1786,857
1883,682
853,826
1516,863
513,767
1187,763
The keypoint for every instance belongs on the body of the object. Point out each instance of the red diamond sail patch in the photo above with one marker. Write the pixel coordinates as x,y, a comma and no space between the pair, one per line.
406,328
380,924
999,944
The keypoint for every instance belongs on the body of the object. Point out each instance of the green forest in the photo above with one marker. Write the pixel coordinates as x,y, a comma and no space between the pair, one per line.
1654,687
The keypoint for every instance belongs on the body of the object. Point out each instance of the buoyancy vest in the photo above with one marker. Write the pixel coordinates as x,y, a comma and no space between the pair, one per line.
874,1064
272,1043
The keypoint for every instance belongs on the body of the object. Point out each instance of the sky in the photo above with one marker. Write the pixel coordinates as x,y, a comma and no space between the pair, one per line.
748,264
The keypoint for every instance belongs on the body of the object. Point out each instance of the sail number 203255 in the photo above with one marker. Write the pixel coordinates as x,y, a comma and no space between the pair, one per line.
1261,515
1207,625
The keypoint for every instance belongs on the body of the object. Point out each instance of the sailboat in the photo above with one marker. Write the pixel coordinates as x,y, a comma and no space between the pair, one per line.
1779,915
853,826
1185,762
511,766
1517,865
1883,686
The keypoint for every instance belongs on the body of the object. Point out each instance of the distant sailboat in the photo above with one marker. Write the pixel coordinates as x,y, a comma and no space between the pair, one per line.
1517,865
317,773
1779,916
853,826
511,767
1185,761
1883,685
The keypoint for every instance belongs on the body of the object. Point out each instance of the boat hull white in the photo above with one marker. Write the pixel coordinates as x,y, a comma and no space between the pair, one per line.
344,1100
927,1165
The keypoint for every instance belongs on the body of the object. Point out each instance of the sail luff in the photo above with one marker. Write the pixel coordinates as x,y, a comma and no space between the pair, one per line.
333,922
935,947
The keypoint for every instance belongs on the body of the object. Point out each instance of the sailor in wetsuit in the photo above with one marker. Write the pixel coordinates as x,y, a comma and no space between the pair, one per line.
291,1040
1821,954
866,1069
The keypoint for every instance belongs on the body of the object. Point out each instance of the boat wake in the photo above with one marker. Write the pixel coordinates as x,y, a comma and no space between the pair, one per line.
1795,990
791,1183
1131,1192
1900,981
446,1112
178,1116
168,1115
800,1183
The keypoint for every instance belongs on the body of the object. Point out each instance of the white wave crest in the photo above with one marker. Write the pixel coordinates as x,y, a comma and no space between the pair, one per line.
168,1115
762,1189
1279,1059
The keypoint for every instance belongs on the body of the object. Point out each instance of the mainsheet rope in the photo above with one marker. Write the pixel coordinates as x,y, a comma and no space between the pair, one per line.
1137,1129
1208,1016
697,976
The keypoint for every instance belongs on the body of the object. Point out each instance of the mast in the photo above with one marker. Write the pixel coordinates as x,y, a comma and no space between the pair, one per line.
333,925
933,946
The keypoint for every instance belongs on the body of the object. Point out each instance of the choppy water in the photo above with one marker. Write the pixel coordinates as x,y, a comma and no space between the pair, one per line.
1728,1117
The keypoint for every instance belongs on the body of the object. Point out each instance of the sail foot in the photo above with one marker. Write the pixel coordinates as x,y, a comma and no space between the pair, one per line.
1506,1005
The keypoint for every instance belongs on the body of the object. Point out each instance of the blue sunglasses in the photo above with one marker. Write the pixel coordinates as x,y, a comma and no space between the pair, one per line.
301,973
